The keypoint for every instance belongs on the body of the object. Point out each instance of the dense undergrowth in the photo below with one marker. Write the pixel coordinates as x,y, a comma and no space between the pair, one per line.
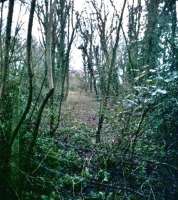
108,132
70,170
131,162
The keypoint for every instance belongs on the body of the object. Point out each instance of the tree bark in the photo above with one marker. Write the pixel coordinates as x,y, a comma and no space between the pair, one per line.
110,73
30,74
6,112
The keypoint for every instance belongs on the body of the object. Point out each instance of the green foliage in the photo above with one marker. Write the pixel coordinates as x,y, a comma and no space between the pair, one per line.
137,156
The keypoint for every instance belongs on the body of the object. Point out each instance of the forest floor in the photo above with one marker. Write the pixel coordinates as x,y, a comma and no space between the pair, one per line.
81,107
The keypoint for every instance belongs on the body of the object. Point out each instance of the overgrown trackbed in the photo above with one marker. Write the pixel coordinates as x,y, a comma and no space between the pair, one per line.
81,107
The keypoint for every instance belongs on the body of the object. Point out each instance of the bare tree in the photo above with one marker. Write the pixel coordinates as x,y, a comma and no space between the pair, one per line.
110,60
87,35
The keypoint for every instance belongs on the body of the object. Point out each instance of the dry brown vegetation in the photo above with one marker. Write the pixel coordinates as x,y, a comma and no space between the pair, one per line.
81,107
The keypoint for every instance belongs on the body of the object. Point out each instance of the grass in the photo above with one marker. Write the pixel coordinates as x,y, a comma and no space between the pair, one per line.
81,107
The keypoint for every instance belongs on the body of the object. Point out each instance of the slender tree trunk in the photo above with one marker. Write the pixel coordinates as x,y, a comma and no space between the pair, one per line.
30,73
104,102
173,35
1,46
53,53
151,35
5,112
22,160
5,68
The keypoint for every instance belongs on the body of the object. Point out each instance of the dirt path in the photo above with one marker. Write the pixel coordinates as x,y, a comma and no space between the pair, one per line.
82,107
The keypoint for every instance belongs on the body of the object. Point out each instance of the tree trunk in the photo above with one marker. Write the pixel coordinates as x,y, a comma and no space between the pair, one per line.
104,102
6,113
